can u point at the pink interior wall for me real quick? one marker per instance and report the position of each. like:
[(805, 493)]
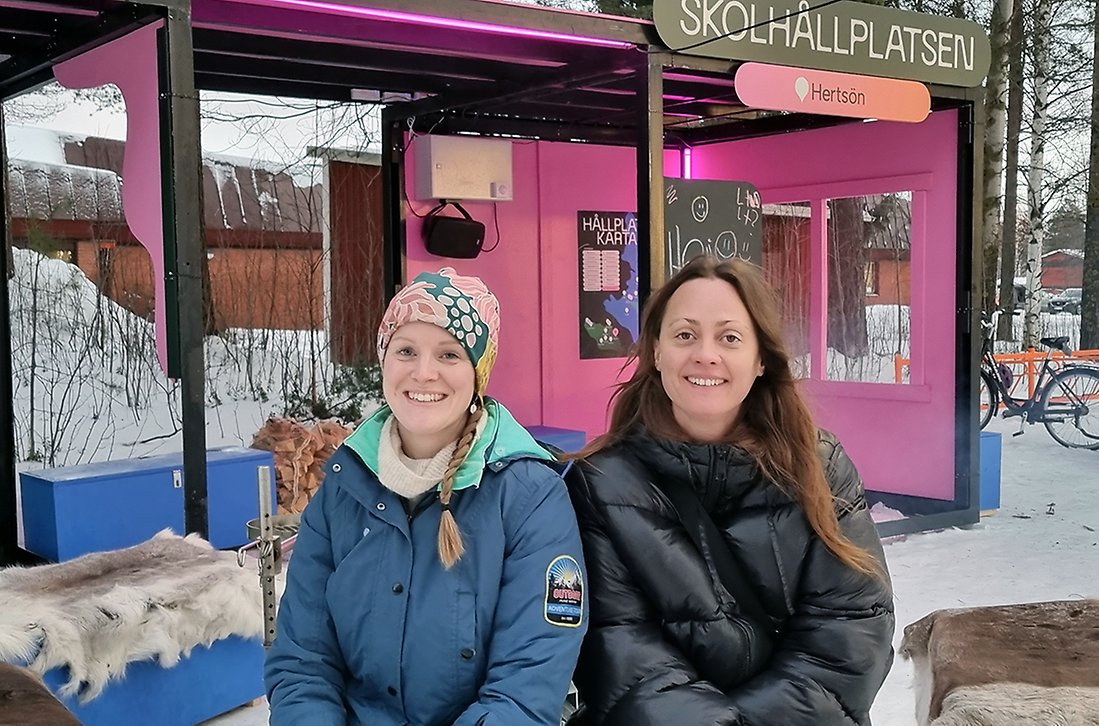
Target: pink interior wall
[(900, 436), (511, 271), (539, 375), (576, 177)]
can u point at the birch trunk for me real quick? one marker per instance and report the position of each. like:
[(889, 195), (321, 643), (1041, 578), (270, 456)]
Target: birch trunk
[(1089, 305), (1035, 196), (1009, 230), (995, 127)]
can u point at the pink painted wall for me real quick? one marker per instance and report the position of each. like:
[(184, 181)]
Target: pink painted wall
[(900, 436), (539, 375), (512, 271)]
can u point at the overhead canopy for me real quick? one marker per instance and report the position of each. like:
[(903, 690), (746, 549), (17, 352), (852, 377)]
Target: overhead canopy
[(490, 67)]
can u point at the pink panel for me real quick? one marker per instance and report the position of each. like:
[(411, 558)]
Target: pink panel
[(576, 177), (533, 272), (511, 271), (131, 64), (901, 437), (576, 392)]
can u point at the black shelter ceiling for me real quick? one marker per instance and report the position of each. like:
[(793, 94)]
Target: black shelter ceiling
[(459, 65)]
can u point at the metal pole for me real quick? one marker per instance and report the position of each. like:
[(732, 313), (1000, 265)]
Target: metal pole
[(185, 252), (268, 558), (392, 210), (9, 517), (650, 176)]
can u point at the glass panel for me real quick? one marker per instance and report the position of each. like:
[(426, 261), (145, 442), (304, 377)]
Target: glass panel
[(869, 290), (786, 265)]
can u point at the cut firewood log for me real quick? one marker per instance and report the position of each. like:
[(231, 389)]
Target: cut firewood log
[(300, 453)]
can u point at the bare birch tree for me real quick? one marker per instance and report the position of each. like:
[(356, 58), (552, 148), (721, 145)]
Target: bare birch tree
[(1035, 196), (1089, 304), (1009, 228), (996, 124)]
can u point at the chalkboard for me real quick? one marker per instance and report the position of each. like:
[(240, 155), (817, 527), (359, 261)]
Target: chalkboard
[(702, 216)]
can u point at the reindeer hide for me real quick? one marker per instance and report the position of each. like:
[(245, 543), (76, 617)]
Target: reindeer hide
[(99, 612), (1020, 704), (1050, 649), (26, 701)]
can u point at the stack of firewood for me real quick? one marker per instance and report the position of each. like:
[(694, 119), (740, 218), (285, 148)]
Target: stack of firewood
[(300, 452)]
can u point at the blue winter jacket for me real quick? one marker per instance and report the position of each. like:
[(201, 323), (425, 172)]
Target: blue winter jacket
[(373, 630)]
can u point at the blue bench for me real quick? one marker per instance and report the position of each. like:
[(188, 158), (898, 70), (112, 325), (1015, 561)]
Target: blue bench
[(73, 510), (568, 440), (208, 683)]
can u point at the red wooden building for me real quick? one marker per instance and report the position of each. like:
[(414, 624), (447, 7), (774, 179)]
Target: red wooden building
[(1061, 269)]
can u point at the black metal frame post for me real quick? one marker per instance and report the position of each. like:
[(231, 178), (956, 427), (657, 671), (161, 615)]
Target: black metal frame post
[(9, 516), (392, 213), (185, 252), (968, 335), (650, 176)]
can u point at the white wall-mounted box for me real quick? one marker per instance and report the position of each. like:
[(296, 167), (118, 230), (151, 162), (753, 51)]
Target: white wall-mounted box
[(463, 168)]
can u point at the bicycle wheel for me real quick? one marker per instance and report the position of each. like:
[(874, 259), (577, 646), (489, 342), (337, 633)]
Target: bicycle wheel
[(1070, 408), (990, 398)]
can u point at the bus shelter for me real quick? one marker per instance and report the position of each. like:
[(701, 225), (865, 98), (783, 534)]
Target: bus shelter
[(835, 145)]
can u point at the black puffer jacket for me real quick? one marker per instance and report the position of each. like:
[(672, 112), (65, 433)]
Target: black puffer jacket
[(662, 649)]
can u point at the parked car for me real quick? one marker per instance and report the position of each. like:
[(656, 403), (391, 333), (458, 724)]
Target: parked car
[(1067, 301)]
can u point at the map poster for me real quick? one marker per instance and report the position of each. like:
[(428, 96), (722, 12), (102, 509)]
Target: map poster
[(607, 259)]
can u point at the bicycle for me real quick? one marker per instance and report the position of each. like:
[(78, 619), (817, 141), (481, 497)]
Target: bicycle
[(1065, 397)]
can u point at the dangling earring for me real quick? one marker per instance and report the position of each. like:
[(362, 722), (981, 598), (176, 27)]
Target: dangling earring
[(472, 408)]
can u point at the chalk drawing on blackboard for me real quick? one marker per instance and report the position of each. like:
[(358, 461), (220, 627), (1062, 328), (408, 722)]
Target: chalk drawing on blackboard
[(714, 217), (725, 246), (748, 206), (670, 194), (700, 208)]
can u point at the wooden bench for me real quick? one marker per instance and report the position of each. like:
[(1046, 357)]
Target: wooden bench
[(1033, 664)]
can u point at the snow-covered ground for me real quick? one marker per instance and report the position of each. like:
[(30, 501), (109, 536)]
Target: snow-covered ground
[(1042, 544)]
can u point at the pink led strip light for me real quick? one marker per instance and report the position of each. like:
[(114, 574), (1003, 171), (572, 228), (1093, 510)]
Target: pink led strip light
[(394, 15)]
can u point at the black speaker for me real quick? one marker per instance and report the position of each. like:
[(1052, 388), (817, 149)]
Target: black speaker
[(459, 237)]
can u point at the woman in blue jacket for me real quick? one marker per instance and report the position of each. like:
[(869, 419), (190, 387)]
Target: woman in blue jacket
[(437, 578)]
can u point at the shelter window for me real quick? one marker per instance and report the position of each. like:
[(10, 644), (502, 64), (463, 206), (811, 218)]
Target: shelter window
[(868, 316)]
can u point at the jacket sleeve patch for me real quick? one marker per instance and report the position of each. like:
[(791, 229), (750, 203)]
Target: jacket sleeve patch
[(564, 603)]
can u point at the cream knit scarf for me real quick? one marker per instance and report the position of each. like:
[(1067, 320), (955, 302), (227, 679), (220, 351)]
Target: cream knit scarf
[(402, 475)]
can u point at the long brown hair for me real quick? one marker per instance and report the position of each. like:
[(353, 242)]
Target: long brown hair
[(775, 424)]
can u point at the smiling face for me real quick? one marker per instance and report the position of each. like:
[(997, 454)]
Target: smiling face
[(708, 357), (427, 380)]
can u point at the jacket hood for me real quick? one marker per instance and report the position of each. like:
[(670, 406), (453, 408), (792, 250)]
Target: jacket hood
[(720, 474), (502, 441)]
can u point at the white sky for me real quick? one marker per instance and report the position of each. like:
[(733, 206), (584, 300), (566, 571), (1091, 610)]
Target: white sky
[(250, 128)]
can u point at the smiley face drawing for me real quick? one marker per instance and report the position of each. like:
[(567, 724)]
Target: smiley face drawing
[(700, 208)]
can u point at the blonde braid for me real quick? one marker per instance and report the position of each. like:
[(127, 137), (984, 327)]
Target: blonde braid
[(450, 539)]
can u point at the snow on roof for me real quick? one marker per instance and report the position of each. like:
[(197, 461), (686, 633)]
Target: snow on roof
[(34, 144), (1070, 253), (63, 191), (67, 176)]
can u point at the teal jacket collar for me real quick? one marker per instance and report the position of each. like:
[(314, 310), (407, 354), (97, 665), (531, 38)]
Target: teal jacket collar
[(503, 440)]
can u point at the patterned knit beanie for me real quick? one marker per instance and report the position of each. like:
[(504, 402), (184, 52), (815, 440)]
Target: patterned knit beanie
[(460, 305)]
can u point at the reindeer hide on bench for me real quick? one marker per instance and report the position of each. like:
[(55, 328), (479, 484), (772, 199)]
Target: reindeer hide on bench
[(1034, 664), (97, 613)]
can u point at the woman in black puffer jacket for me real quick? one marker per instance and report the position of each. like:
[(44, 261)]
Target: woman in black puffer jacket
[(802, 637)]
